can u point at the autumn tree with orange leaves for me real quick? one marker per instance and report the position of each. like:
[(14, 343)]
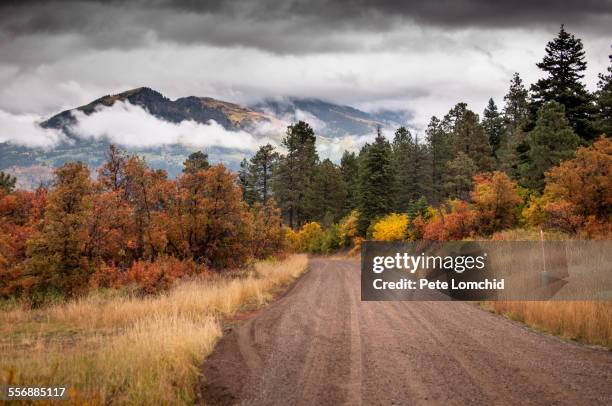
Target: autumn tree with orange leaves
[(454, 221), (496, 199), (578, 192), (214, 217), (58, 259), (21, 214)]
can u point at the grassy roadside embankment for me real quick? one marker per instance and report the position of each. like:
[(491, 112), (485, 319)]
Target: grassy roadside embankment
[(589, 322), (127, 350), (589, 265)]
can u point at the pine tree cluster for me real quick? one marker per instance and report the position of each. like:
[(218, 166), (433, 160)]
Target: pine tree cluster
[(535, 130)]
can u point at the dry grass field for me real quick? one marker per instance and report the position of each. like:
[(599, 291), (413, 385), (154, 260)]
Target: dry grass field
[(129, 350)]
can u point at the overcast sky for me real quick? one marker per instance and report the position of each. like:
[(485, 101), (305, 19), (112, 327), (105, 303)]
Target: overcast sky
[(418, 56)]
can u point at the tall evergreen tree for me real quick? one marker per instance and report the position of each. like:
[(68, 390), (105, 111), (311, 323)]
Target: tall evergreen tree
[(418, 208), (196, 162), (454, 117), (604, 101), (470, 138), (514, 146), (401, 149), (375, 182), (440, 152), (516, 107), (349, 169), (513, 153), (294, 172), (551, 141), (411, 168), (261, 170), (326, 196), (493, 124), (246, 181), (564, 64), (7, 182), (458, 178)]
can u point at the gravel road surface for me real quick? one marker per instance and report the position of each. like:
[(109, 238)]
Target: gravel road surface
[(320, 345)]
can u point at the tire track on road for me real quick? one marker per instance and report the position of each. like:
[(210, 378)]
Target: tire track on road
[(320, 344)]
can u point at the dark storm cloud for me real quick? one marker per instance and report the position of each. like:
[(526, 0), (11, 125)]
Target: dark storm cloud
[(419, 56), (283, 26), (453, 13)]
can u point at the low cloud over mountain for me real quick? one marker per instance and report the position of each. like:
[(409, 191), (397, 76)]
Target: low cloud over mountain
[(165, 131)]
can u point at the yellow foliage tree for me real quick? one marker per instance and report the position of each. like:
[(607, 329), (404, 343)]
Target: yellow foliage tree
[(534, 213), (304, 239), (347, 229), (392, 227)]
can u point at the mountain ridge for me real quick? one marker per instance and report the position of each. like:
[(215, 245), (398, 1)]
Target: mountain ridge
[(199, 109), (267, 119), (339, 119)]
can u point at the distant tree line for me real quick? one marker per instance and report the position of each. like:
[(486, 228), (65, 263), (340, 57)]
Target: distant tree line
[(535, 130)]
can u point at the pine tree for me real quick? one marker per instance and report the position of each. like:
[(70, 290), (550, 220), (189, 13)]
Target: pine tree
[(349, 169), (493, 124), (604, 101), (454, 117), (551, 141), (260, 171), (294, 174), (564, 64), (470, 138), (195, 162), (326, 196), (458, 178), (246, 181), (7, 182), (375, 182), (401, 149), (421, 170), (418, 208), (411, 168), (516, 108), (516, 116), (440, 152)]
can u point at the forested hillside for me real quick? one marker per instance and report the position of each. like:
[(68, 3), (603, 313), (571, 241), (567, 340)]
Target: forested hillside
[(536, 161)]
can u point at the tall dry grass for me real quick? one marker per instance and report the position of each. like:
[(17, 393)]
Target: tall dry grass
[(589, 266), (585, 321), (128, 350)]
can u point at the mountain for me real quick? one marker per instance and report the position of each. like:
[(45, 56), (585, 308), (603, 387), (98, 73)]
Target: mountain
[(199, 109), (336, 120), (265, 119)]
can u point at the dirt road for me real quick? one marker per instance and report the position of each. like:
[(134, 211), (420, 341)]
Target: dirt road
[(320, 345)]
